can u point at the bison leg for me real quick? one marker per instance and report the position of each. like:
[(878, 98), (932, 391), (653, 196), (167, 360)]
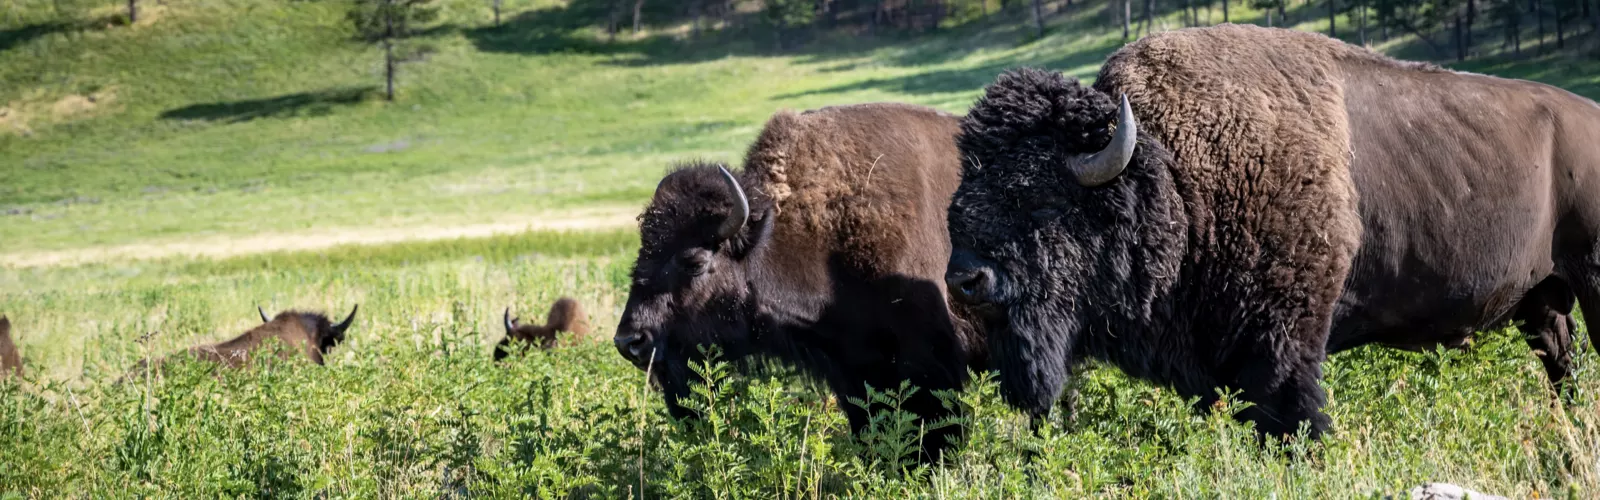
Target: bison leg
[(1547, 324), (1284, 393)]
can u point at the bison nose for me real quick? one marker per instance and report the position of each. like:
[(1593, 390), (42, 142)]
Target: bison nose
[(970, 279), (635, 346)]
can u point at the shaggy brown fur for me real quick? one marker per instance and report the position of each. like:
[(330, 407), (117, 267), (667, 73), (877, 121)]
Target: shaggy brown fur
[(564, 316), (10, 361), (288, 335), (1330, 197), (838, 270)]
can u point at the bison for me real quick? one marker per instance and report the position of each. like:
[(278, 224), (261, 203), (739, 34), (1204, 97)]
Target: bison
[(10, 361), (564, 316), (826, 253), (1268, 197), (287, 335)]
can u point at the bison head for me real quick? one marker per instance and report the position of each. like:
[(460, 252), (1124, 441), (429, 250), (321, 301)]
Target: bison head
[(328, 335), (691, 282), (1051, 228)]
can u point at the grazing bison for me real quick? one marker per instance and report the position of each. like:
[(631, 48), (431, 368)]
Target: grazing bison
[(289, 334), (565, 316), (827, 252), (10, 361), (1267, 197)]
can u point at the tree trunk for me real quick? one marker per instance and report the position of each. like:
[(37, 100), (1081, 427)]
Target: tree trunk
[(1333, 24), (1149, 5), (1282, 15), (1038, 18), (497, 12), (1537, 7), (1127, 12), (1224, 11), (1269, 18), (638, 7), (1561, 34), (388, 50), (133, 11), (1361, 5), (1516, 31), (1461, 38), (1472, 20)]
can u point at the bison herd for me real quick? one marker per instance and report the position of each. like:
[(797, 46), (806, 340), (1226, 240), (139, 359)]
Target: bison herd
[(1222, 209)]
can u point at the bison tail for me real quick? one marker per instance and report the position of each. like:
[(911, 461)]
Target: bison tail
[(567, 316)]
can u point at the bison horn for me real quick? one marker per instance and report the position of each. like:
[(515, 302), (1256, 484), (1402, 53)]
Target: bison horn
[(510, 325), (1099, 168), (263, 315), (347, 319), (741, 208)]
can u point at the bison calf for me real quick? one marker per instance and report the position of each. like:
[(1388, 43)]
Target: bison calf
[(565, 316)]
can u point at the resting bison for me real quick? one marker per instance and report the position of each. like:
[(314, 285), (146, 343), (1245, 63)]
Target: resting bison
[(289, 334), (10, 361), (1285, 196), (565, 316), (827, 252)]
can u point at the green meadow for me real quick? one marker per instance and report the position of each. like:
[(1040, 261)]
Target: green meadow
[(160, 180)]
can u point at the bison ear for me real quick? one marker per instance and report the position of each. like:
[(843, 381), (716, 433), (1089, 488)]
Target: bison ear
[(755, 235)]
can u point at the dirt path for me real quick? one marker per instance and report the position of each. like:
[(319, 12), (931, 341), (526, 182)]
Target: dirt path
[(229, 246)]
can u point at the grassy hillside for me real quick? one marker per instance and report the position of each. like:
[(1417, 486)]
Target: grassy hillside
[(251, 130), (229, 117)]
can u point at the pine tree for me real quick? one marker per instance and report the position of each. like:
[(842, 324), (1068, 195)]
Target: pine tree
[(390, 23)]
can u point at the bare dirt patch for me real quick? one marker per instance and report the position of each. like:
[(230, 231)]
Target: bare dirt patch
[(19, 117), (222, 247)]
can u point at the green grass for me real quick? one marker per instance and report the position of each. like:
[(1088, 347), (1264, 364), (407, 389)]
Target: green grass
[(411, 406), (225, 119)]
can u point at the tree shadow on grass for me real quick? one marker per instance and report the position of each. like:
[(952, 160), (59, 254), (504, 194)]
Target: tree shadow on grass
[(968, 79), (572, 29), (316, 103), (15, 37)]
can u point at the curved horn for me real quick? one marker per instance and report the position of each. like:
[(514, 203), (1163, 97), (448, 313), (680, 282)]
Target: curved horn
[(263, 315), (509, 325), (1099, 168), (347, 319), (741, 208)]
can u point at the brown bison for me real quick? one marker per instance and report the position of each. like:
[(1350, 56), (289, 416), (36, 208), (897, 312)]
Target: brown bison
[(1266, 198), (827, 252), (565, 316), (10, 361), (288, 335)]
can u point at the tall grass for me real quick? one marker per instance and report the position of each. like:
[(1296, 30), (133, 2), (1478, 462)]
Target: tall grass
[(412, 406)]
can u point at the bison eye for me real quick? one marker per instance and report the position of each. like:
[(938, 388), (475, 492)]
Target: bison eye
[(694, 265)]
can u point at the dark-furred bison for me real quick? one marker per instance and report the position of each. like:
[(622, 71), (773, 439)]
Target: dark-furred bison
[(565, 316), (827, 252), (288, 335), (10, 361), (1285, 196)]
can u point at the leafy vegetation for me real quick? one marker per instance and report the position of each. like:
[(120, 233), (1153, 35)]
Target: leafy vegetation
[(411, 405), (225, 120)]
